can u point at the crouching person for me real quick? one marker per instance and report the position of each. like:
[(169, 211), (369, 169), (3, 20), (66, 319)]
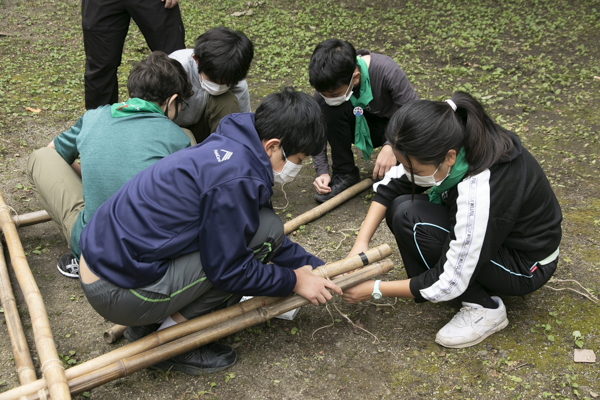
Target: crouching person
[(194, 232)]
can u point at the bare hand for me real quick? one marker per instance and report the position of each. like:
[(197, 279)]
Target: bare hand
[(170, 3), (385, 161), (312, 287), (321, 184), (359, 293)]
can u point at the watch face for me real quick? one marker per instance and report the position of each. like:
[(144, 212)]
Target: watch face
[(377, 296)]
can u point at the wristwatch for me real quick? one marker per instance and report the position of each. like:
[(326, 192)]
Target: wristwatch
[(376, 292)]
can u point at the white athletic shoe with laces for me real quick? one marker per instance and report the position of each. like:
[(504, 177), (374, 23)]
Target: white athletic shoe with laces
[(472, 324)]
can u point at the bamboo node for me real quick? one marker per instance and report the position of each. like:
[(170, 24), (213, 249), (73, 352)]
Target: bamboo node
[(48, 365)]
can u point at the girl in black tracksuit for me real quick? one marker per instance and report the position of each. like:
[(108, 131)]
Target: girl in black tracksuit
[(490, 222)]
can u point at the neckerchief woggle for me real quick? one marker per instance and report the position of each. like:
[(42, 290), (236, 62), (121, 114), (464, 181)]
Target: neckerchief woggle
[(132, 106), (459, 169), (362, 134)]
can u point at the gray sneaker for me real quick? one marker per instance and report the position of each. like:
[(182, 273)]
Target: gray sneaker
[(68, 266)]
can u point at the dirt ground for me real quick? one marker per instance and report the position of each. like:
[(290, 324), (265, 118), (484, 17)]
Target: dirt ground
[(534, 64)]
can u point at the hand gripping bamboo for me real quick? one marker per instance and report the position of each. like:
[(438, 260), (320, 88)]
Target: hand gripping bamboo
[(18, 342), (143, 360), (52, 368), (329, 205), (175, 332)]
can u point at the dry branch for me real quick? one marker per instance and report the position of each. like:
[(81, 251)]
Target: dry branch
[(329, 205), (52, 367), (23, 360)]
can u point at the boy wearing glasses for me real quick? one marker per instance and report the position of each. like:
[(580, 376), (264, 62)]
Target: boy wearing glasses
[(115, 143), (358, 96), (216, 66)]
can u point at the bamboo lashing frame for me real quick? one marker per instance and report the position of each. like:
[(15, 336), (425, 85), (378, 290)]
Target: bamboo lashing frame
[(51, 365), (38, 217), (329, 205), (23, 360), (151, 341), (129, 365)]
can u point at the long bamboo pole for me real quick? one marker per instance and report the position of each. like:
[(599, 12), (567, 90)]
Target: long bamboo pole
[(175, 332), (52, 367), (329, 205), (23, 360), (36, 217), (148, 358), (329, 270)]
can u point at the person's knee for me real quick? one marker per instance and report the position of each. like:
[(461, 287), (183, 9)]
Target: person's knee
[(37, 161), (395, 215), (269, 236)]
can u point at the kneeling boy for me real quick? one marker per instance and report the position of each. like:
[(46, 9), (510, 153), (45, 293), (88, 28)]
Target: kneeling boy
[(358, 96), (195, 231)]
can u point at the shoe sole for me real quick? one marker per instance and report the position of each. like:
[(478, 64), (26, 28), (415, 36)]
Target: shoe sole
[(67, 274), (503, 325), (188, 369)]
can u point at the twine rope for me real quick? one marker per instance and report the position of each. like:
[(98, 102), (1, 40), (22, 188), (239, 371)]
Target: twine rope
[(589, 294), (45, 365), (287, 202), (9, 208)]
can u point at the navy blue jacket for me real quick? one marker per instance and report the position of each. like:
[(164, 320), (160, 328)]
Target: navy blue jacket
[(204, 198)]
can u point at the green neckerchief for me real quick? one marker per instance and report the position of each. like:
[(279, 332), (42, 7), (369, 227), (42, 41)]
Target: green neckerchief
[(132, 106), (362, 134), (459, 169)]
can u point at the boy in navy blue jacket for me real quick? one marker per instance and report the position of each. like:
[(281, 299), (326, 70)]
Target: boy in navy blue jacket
[(194, 232)]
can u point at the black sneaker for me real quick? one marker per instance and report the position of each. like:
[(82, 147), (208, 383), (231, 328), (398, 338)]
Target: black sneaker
[(133, 333), (338, 184), (207, 359), (68, 265)]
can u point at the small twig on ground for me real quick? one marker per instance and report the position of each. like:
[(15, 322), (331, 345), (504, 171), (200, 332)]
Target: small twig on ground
[(589, 294)]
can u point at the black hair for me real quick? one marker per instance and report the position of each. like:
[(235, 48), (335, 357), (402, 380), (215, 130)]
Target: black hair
[(157, 78), (427, 130), (293, 117), (223, 55), (331, 65)]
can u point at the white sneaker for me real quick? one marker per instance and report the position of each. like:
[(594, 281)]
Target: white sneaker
[(472, 324)]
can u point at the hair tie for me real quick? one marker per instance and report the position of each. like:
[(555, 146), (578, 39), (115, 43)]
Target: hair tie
[(452, 104)]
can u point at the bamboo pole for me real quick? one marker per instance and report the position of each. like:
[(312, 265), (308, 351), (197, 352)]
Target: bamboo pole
[(203, 322), (113, 333), (148, 358), (51, 367), (36, 217), (329, 205), (333, 269), (23, 360)]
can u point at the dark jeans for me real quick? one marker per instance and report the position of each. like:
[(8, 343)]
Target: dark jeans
[(184, 288), (340, 135), (422, 229), (105, 24)]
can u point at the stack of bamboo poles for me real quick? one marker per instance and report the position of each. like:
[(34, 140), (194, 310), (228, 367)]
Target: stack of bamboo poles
[(158, 346), (52, 367)]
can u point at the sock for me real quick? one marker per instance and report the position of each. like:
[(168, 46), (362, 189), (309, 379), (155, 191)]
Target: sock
[(167, 323)]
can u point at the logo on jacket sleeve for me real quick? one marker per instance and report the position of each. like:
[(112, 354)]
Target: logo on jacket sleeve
[(225, 156)]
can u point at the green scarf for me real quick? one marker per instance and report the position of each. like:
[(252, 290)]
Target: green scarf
[(132, 106), (459, 169), (362, 134)]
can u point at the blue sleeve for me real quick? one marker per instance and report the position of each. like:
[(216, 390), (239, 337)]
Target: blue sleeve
[(66, 143), (230, 218), (292, 255)]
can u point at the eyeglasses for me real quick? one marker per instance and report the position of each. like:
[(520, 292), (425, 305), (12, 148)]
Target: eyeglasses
[(184, 105)]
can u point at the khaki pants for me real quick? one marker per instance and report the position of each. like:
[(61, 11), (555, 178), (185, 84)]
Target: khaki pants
[(57, 186), (216, 108)]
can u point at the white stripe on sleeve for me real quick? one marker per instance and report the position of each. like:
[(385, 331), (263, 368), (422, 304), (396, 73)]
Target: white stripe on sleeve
[(473, 208), (394, 173)]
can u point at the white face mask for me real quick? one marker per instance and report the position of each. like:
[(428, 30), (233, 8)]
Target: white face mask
[(429, 180), (289, 171), (336, 101), (213, 88)]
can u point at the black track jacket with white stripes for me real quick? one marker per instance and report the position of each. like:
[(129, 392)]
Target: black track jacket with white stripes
[(510, 204)]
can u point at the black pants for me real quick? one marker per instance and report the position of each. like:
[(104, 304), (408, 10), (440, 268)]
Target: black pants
[(105, 24), (422, 229), (340, 135)]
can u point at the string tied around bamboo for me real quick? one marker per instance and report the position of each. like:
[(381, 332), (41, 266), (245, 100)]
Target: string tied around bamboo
[(10, 210), (48, 364)]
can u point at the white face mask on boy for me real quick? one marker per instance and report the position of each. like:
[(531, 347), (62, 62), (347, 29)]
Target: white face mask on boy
[(429, 180), (213, 88), (336, 101), (289, 171)]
